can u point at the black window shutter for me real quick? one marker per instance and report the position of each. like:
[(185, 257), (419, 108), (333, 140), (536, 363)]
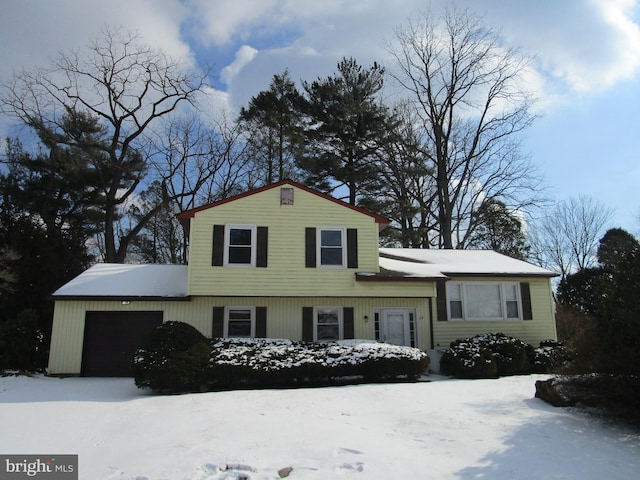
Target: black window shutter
[(441, 300), (525, 293), (261, 322), (310, 247), (307, 324), (348, 326), (262, 246), (218, 246), (352, 248), (218, 322)]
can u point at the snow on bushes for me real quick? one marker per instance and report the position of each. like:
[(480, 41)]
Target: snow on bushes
[(265, 362), (179, 362), (550, 357), (496, 354)]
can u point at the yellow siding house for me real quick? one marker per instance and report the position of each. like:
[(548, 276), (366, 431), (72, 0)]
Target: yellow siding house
[(285, 261)]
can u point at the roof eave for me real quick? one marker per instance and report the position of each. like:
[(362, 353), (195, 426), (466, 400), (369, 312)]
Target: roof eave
[(184, 216), (501, 274), (395, 277), (122, 298)]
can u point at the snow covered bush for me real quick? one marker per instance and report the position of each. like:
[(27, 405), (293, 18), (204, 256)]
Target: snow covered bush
[(178, 358), (550, 357), (485, 356), (468, 360), (271, 362), (174, 359)]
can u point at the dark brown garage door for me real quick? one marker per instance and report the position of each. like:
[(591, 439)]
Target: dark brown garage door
[(111, 339)]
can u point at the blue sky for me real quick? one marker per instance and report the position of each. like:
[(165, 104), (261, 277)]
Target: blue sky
[(587, 67)]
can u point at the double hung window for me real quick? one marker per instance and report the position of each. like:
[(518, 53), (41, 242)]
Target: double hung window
[(239, 322), (327, 324), (240, 243), (331, 247)]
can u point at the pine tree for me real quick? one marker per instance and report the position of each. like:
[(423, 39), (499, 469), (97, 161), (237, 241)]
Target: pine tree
[(348, 125), (273, 122)]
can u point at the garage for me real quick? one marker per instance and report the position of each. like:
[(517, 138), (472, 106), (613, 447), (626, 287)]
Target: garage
[(111, 339)]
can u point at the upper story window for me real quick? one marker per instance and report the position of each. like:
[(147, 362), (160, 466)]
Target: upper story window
[(331, 248), (240, 245), (484, 301)]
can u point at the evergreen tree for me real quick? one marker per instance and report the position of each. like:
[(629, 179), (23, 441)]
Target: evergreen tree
[(347, 127), (614, 245), (608, 294), (618, 316), (583, 290), (47, 215), (273, 122), (496, 228)]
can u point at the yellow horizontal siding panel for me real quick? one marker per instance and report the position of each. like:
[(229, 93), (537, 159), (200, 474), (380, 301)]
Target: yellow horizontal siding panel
[(541, 327), (284, 319), (286, 274), (65, 356)]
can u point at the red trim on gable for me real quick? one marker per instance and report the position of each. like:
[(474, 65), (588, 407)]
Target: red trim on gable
[(190, 213)]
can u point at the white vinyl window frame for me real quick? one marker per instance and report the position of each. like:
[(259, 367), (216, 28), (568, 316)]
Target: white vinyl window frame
[(228, 245), (239, 314), (339, 323), (328, 246), (465, 300)]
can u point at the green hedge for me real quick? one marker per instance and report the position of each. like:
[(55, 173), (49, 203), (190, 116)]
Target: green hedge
[(493, 355), (265, 362), (485, 356), (174, 358), (178, 360)]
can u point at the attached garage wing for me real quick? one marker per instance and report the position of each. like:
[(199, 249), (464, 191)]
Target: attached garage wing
[(111, 338)]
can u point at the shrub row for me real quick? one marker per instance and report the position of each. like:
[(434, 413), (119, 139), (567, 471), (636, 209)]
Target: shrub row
[(492, 355), (178, 358)]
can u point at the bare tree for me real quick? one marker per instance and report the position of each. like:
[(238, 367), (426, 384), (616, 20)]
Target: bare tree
[(567, 238), (125, 85), (235, 172), (468, 91), (405, 194)]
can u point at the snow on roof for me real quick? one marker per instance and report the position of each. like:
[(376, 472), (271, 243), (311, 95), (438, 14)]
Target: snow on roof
[(170, 281), (124, 280), (440, 263)]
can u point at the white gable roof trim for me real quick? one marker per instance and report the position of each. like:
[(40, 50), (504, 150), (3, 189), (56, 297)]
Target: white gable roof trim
[(126, 281)]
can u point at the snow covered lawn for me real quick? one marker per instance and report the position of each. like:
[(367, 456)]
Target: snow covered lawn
[(444, 429)]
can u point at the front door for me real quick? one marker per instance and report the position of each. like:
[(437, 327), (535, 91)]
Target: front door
[(395, 327)]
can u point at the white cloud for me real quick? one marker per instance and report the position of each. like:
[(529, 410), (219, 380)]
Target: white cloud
[(224, 21), (34, 31), (580, 45), (244, 55)]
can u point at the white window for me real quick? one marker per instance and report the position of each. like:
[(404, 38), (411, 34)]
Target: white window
[(484, 301), (331, 247), (327, 324), (240, 245), (240, 322)]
